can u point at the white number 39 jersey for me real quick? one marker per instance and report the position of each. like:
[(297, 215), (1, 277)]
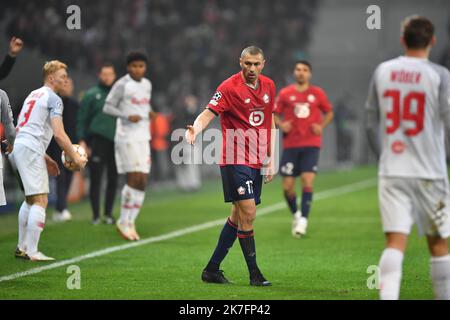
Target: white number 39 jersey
[(412, 99)]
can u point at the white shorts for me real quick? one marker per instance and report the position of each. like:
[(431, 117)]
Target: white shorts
[(32, 170), (405, 201), (132, 156), (2, 189)]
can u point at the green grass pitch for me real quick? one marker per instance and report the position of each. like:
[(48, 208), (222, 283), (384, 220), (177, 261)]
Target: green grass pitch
[(344, 239)]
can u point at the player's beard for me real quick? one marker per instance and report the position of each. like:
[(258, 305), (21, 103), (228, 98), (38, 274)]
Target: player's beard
[(301, 81)]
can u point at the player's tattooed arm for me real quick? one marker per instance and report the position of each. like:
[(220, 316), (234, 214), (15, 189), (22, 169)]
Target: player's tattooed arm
[(202, 121)]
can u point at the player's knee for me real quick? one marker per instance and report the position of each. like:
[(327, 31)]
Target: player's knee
[(438, 247), (289, 187), (38, 200), (307, 181), (247, 221), (247, 216)]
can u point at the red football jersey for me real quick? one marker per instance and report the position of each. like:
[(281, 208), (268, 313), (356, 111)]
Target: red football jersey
[(303, 109), (245, 118)]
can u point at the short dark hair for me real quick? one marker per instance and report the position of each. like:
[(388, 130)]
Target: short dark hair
[(417, 32), (253, 51), (136, 56), (105, 65), (305, 62)]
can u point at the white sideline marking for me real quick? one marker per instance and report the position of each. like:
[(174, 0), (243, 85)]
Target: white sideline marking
[(178, 233)]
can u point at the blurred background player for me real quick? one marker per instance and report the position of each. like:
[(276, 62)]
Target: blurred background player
[(64, 179), (6, 118), (39, 120), (410, 97), (15, 46), (96, 130), (245, 103), (302, 112), (129, 102)]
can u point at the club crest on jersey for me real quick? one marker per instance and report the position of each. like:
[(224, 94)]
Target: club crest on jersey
[(247, 100), (311, 98), (241, 191), (292, 98), (266, 98), (302, 110), (398, 147)]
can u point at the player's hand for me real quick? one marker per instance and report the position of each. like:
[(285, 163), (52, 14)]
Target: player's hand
[(6, 147), (52, 167), (286, 126), (80, 162), (134, 118), (15, 46), (268, 177), (190, 135), (84, 145), (316, 129)]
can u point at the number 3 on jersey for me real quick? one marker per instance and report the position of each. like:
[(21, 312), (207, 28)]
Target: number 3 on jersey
[(27, 113), (402, 111)]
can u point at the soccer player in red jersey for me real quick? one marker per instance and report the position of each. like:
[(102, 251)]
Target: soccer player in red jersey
[(302, 112), (245, 103)]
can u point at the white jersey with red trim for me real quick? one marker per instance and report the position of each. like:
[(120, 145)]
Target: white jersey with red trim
[(34, 129), (130, 97), (412, 99)]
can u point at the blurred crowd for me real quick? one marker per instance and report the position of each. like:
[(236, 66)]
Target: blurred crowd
[(190, 43)]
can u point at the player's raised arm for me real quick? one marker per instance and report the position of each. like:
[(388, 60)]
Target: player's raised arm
[(372, 119), (7, 119), (202, 121)]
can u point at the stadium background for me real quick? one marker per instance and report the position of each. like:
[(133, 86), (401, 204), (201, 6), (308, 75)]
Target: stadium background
[(194, 45)]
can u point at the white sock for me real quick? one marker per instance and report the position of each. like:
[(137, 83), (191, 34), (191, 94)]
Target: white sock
[(440, 276), (126, 204), (138, 200), (390, 274), (36, 222), (24, 212)]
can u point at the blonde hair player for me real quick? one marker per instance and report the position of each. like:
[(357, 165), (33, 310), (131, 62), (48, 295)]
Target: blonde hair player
[(40, 119)]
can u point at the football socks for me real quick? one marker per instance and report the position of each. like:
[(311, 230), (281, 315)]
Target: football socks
[(390, 274), (247, 242), (291, 201), (24, 212), (226, 240), (440, 276), (307, 196), (36, 222)]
